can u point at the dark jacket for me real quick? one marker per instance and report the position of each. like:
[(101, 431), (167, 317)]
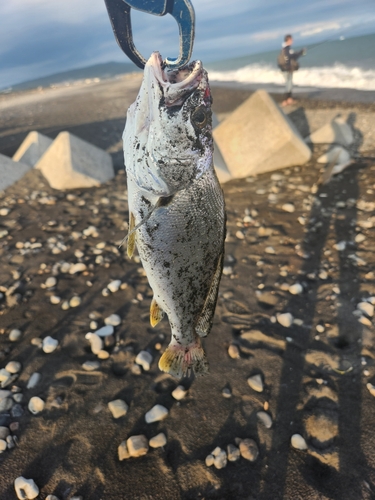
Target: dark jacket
[(287, 60)]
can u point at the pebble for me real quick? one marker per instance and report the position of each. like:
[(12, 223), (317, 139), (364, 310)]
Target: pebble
[(137, 445), (298, 442), (256, 383), (90, 366), (371, 388), (265, 418), (118, 408), (4, 376), (105, 331), (36, 405), (227, 270), (54, 299), (38, 342), (295, 289), (288, 207), (179, 393), (144, 358), (4, 432), (249, 450), (359, 238), (93, 325), (158, 412), (6, 401), (3, 445), (13, 367), (136, 369), (50, 282), (366, 308), (33, 380), (52, 497), (102, 354), (226, 392), (158, 441), (77, 268), (220, 460), (210, 459), (114, 286), (285, 319), (123, 452), (267, 298), (65, 305), (240, 235), (233, 351), (270, 250), (340, 246), (233, 453), (25, 488), (75, 301), (49, 344), (113, 320), (320, 328), (14, 335), (95, 342)]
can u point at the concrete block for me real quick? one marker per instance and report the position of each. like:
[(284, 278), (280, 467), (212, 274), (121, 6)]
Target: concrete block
[(11, 171), (73, 163), (32, 148), (257, 137), (221, 168), (335, 132)]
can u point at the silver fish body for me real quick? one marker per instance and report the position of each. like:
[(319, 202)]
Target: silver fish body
[(177, 202)]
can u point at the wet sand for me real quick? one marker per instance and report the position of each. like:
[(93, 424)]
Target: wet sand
[(314, 372)]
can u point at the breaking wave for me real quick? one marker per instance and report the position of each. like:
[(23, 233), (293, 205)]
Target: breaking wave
[(336, 76)]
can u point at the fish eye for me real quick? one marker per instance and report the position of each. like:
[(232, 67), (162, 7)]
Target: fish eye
[(199, 117)]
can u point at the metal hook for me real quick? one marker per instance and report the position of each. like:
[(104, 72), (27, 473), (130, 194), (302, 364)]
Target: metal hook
[(181, 10)]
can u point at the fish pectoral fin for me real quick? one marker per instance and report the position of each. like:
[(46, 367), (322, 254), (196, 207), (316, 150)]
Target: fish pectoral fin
[(156, 313), (205, 320), (131, 236)]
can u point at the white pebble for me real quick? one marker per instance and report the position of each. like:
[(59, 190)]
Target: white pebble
[(13, 367), (227, 270), (270, 250), (340, 246), (220, 460), (240, 235), (14, 335), (36, 405), (371, 388), (52, 497), (75, 301), (93, 325), (123, 452), (95, 342), (137, 445), (158, 441), (105, 331), (49, 344), (179, 393), (285, 319), (249, 449), (3, 445), (54, 299), (158, 412), (25, 488), (33, 380), (114, 285), (102, 354), (233, 351), (233, 453), (113, 320), (320, 328), (295, 289), (265, 418), (4, 376), (65, 305), (288, 207), (77, 268), (144, 358), (226, 393), (298, 442), (118, 408), (359, 238), (366, 308), (90, 366), (210, 459), (50, 282), (256, 383)]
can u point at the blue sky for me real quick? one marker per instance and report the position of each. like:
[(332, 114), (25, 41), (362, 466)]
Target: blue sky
[(41, 37)]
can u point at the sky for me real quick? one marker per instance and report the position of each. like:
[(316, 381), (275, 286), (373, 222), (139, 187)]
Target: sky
[(42, 37)]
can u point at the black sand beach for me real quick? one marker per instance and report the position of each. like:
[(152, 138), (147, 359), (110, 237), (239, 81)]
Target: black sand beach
[(315, 372)]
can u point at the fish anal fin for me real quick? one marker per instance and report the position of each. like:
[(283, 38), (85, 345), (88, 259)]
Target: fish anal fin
[(156, 313), (179, 360), (131, 237), (205, 320)]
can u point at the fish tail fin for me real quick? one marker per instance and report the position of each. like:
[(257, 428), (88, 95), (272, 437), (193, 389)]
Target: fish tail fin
[(131, 236), (156, 313), (179, 360)]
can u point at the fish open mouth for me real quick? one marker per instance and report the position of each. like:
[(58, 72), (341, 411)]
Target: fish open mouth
[(175, 83)]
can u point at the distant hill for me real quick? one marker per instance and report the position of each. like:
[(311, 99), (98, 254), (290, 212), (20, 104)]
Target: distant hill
[(102, 71)]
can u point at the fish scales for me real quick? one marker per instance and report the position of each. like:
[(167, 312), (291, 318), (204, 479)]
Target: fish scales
[(177, 207)]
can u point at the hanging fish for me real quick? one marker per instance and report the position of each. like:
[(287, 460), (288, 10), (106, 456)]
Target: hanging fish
[(176, 206)]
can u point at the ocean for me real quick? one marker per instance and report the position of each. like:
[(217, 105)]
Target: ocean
[(341, 64)]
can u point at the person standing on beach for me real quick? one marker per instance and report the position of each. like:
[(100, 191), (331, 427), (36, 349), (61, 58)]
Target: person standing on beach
[(288, 63)]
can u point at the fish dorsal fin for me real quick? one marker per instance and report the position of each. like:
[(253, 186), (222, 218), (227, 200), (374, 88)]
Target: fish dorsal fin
[(156, 313), (131, 236), (205, 320)]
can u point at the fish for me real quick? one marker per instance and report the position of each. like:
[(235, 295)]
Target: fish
[(177, 217)]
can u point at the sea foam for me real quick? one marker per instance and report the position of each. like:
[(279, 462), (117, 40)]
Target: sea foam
[(335, 76)]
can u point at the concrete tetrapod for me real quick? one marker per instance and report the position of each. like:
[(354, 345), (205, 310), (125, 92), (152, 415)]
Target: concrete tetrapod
[(72, 163), (11, 171), (257, 137), (32, 148)]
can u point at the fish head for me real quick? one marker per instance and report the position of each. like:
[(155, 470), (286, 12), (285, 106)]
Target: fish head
[(168, 134)]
